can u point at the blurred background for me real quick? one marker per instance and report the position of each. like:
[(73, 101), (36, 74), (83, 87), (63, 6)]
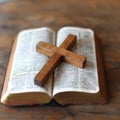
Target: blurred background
[(103, 16)]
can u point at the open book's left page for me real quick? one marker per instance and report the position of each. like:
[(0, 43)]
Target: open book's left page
[(27, 62)]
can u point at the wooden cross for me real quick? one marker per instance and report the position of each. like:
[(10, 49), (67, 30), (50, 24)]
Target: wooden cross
[(57, 54)]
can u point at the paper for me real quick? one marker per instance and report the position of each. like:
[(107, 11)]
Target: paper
[(27, 62), (70, 78)]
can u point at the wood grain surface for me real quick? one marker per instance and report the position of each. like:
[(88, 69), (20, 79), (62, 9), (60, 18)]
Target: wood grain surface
[(102, 16)]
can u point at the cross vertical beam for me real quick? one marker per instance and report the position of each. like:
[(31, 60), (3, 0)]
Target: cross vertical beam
[(57, 54)]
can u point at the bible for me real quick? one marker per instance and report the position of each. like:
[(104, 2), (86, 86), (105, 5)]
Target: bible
[(68, 84)]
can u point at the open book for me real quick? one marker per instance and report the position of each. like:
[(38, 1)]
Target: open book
[(68, 84)]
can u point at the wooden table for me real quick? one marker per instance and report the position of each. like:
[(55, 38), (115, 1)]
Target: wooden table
[(102, 16)]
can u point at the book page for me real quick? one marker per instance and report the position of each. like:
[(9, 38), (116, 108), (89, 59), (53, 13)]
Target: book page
[(71, 78), (27, 62)]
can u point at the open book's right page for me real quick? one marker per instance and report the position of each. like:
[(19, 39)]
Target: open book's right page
[(71, 78)]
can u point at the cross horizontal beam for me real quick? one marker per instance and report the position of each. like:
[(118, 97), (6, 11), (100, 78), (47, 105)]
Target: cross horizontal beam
[(68, 56)]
